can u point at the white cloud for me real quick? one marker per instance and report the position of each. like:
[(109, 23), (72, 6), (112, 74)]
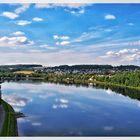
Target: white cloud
[(109, 91), (73, 8), (61, 103), (10, 15), (63, 106), (64, 101), (37, 19), (17, 39), (61, 37), (22, 8), (70, 5), (64, 37), (110, 17), (23, 22), (15, 14), (63, 43), (124, 55), (18, 33), (56, 37), (17, 102), (75, 11)]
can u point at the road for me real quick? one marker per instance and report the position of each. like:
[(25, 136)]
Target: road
[(2, 114)]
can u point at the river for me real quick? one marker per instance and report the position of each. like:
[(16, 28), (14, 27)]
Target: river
[(62, 110)]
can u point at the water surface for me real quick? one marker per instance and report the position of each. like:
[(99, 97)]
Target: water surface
[(59, 110)]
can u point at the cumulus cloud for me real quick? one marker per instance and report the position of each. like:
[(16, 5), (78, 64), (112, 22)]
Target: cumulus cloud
[(63, 43), (22, 8), (37, 19), (17, 39), (124, 55), (110, 17), (61, 37), (15, 14), (23, 22), (18, 33), (10, 15)]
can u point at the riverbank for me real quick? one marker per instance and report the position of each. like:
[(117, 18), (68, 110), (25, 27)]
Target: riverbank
[(2, 116), (68, 80), (10, 123)]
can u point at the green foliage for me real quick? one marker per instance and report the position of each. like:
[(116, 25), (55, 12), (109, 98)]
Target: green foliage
[(10, 123), (123, 78)]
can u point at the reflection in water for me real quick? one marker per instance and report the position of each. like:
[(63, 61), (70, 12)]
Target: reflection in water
[(132, 93), (60, 110)]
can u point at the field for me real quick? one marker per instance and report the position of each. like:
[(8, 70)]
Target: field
[(24, 72)]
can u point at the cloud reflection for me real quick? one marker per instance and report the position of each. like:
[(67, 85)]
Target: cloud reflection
[(108, 128), (16, 101), (60, 103)]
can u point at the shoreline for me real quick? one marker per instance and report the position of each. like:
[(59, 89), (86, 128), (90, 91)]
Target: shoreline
[(10, 122), (74, 82)]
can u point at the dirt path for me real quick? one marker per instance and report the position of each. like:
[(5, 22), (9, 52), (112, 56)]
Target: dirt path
[(2, 114)]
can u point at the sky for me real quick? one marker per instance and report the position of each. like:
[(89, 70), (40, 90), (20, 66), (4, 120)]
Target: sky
[(59, 34)]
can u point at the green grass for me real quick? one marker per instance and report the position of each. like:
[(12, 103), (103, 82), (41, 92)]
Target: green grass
[(10, 123)]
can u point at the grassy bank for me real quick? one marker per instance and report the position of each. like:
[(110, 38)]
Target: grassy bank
[(10, 122)]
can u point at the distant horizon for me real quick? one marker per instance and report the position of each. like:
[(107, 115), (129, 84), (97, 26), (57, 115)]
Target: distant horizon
[(65, 64), (71, 34)]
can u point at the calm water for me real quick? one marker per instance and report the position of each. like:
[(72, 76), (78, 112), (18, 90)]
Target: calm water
[(58, 110)]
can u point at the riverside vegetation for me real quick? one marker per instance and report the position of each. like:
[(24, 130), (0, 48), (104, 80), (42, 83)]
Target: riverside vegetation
[(126, 78), (10, 122)]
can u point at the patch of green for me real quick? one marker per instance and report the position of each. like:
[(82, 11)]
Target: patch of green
[(10, 123)]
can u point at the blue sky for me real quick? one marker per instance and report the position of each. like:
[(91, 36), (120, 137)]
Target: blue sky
[(56, 34)]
